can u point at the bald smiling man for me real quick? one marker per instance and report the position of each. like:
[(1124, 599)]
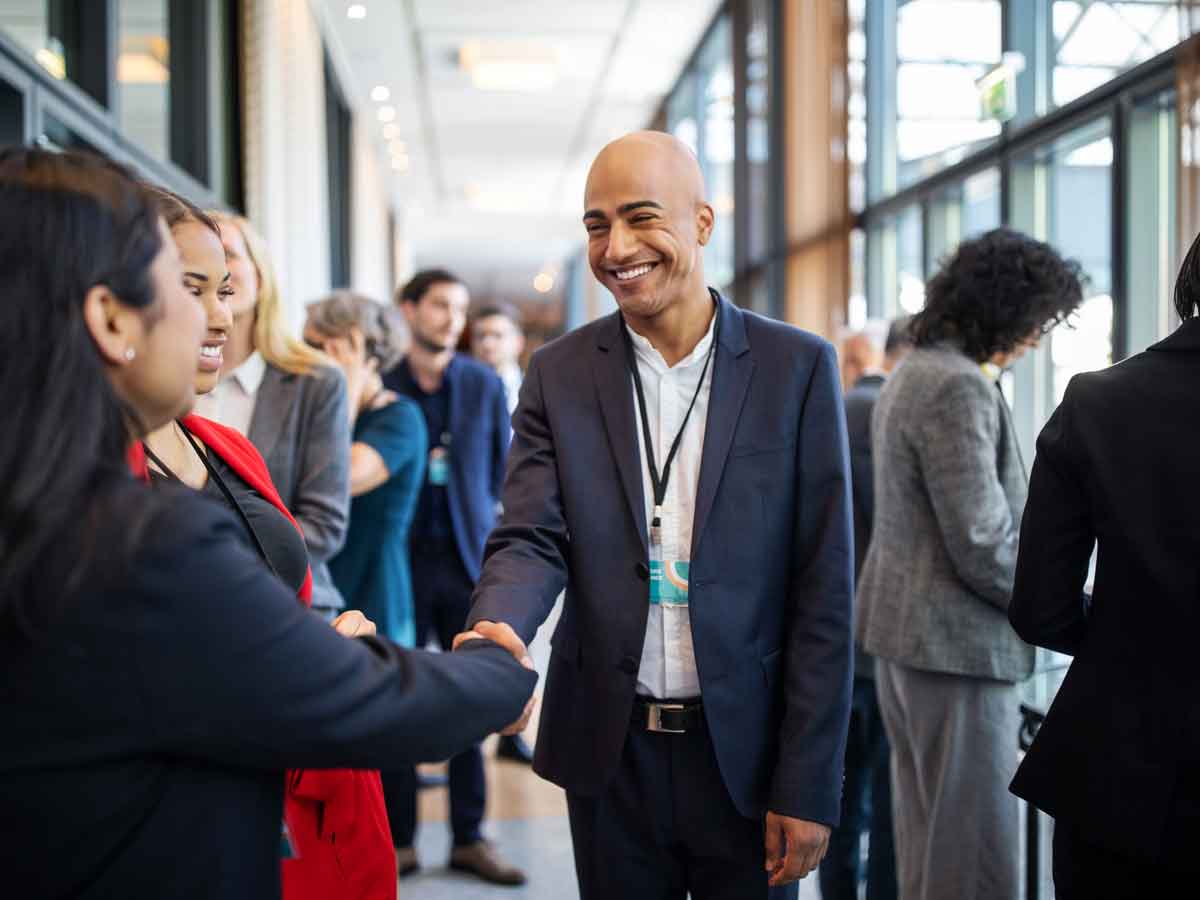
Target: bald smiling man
[(680, 468)]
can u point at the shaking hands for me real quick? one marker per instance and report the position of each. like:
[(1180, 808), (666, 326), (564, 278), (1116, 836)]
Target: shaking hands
[(502, 634)]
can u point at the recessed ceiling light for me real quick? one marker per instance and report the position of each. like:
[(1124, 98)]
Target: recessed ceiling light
[(391, 131), (356, 11), (380, 93), (398, 148), (386, 113), (400, 163), (543, 283)]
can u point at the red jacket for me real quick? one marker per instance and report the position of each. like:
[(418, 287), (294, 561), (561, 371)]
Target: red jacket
[(336, 817)]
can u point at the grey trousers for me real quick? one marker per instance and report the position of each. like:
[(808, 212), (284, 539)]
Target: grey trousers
[(954, 751)]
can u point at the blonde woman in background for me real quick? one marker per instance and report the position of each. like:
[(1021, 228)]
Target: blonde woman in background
[(289, 400)]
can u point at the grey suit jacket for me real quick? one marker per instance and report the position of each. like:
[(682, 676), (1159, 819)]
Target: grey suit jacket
[(301, 426), (949, 492)]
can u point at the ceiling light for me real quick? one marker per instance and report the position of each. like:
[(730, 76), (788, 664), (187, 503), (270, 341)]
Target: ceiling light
[(516, 66), (380, 93), (386, 113), (543, 283), (356, 11), (400, 163), (391, 131), (398, 148)]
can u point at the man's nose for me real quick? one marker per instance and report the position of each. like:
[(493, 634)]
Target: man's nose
[(621, 243)]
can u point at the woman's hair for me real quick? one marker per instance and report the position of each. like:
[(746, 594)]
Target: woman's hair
[(68, 223), (1187, 285), (996, 291), (271, 335), (384, 332), (177, 210)]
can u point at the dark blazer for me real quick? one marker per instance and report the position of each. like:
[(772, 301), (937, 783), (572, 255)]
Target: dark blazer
[(147, 731), (301, 426), (771, 571), (860, 405), (479, 432), (1119, 754)]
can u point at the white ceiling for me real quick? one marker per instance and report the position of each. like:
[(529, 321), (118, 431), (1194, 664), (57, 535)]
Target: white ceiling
[(494, 189)]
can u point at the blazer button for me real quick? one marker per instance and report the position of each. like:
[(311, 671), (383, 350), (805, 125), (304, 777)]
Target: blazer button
[(629, 665), (643, 571)]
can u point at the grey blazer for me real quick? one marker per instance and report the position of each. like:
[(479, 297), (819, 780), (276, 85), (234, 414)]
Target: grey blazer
[(949, 492), (301, 426)]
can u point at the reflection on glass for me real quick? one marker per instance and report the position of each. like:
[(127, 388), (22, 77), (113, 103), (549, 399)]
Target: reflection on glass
[(758, 131), (896, 274), (942, 48), (144, 74), (856, 103), (29, 23), (1095, 40)]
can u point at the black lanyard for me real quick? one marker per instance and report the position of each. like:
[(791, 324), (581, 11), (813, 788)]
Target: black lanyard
[(659, 482), (215, 476)]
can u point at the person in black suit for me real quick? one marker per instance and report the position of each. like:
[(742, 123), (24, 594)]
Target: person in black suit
[(680, 468), (156, 679), (1117, 761), (867, 798)]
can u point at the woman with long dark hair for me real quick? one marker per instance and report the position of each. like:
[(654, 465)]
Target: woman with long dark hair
[(935, 585), (156, 678)]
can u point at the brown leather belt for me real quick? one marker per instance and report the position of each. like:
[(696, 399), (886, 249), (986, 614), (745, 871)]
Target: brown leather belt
[(668, 716)]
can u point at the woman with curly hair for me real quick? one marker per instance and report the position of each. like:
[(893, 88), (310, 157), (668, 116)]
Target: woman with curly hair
[(934, 591)]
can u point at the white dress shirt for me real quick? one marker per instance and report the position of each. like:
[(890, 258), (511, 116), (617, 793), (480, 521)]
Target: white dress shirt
[(668, 667), (231, 402)]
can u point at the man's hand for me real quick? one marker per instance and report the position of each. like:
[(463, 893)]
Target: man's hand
[(794, 847), (353, 623), (502, 634)]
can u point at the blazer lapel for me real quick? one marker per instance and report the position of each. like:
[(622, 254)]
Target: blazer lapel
[(610, 366), (270, 409), (733, 366)]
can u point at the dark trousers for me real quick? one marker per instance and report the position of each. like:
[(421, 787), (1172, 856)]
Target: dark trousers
[(866, 807), (666, 827), (441, 602), (1085, 871)]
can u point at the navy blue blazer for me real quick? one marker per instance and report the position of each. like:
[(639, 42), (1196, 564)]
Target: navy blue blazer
[(479, 433), (772, 560)]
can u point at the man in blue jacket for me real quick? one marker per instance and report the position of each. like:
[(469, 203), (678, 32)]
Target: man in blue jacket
[(467, 422), (680, 467)]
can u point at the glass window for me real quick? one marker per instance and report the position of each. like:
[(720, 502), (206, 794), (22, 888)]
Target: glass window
[(681, 113), (144, 74), (942, 48), (29, 23), (896, 272), (715, 69), (65, 38), (761, 198), (960, 211), (856, 103), (1095, 40), (1151, 232)]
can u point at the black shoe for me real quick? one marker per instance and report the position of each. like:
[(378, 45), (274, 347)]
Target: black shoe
[(513, 747), (406, 861)]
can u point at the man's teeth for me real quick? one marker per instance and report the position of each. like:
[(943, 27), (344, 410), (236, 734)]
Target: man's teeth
[(626, 274), (211, 352)]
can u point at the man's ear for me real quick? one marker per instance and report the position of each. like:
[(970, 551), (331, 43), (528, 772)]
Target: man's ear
[(705, 219), (117, 329)]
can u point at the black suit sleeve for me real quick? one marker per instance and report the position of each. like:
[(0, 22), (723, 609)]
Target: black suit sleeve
[(234, 670), (818, 667), (1048, 605)]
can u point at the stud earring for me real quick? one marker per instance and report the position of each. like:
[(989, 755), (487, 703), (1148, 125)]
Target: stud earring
[(130, 353)]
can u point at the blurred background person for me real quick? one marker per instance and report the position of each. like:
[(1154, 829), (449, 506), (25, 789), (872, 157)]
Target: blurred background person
[(150, 664), (387, 460), (935, 586), (289, 400), (867, 793), (497, 341), (467, 425), (1115, 760)]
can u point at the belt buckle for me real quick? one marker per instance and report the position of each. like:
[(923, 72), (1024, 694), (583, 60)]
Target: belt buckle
[(654, 713)]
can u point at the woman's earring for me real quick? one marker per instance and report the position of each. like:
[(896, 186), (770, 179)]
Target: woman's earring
[(130, 353)]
